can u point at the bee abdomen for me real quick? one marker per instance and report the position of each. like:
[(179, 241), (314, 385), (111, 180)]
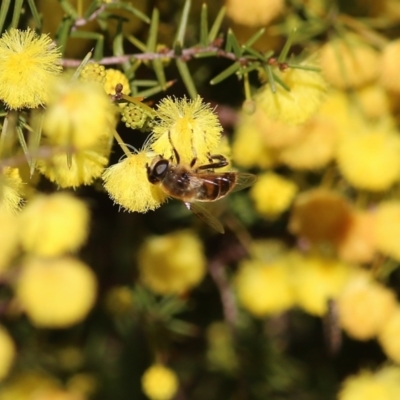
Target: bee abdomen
[(220, 187)]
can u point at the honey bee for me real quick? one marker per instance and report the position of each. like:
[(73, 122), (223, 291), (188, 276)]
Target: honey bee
[(193, 185)]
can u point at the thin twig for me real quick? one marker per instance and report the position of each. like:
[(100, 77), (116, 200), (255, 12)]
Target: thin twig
[(83, 21)]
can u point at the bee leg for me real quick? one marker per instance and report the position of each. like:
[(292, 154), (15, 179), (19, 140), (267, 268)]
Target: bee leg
[(193, 162), (218, 161), (176, 154)]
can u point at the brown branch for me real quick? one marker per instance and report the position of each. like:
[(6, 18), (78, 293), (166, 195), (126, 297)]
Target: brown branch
[(83, 21)]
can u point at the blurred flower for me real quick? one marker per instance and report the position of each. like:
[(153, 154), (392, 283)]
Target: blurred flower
[(172, 263), (56, 293), (127, 184), (7, 353), (28, 63), (55, 224), (93, 72), (316, 280), (387, 228), (261, 12), (374, 100), (264, 288), (119, 300), (272, 194), (83, 383), (370, 160), (9, 238), (388, 72), (221, 354), (348, 62), (11, 188), (389, 334), (321, 216), (297, 105), (113, 78), (364, 306), (383, 385), (159, 383), (192, 126), (79, 114)]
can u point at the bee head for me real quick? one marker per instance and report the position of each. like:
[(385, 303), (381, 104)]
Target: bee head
[(157, 170)]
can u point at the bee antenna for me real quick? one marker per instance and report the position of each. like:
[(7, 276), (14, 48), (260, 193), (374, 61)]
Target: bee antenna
[(176, 154)]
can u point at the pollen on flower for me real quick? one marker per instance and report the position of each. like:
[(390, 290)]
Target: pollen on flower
[(257, 15), (56, 293), (272, 194), (113, 78), (11, 188), (307, 91), (79, 114), (172, 263), (28, 64), (369, 160), (264, 288), (191, 126), (127, 184), (159, 383), (55, 224), (7, 353)]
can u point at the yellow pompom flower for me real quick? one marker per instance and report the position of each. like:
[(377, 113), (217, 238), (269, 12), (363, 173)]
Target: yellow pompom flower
[(86, 166), (314, 149), (159, 383), (191, 126), (11, 189), (113, 78), (93, 72), (79, 114), (264, 288), (260, 13), (373, 100), (387, 228), (316, 280), (28, 64), (389, 76), (348, 63), (370, 160), (127, 184), (383, 385), (9, 238), (7, 353), (272, 194), (52, 225), (119, 300), (389, 334), (307, 91), (364, 306), (172, 263), (56, 293)]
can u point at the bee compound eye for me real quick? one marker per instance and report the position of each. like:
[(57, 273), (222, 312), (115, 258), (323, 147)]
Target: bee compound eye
[(161, 168)]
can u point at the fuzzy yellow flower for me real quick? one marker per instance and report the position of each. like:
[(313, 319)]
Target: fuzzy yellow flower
[(272, 194), (127, 184), (9, 238), (383, 385), (388, 71), (119, 300), (374, 101), (11, 189), (387, 228), (264, 288), (86, 166), (307, 91), (7, 352), (79, 114), (191, 126), (364, 306), (172, 263), (316, 280), (55, 224), (159, 383), (259, 14), (370, 160), (56, 293), (28, 64), (349, 63), (113, 78), (389, 336), (93, 72)]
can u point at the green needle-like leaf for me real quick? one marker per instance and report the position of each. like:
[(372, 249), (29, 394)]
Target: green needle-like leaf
[(255, 37), (204, 25), (225, 73), (285, 51), (152, 39), (235, 46), (159, 71), (4, 7), (187, 78), (35, 14), (93, 6), (69, 9), (130, 9), (280, 81), (180, 35), (24, 146), (63, 32), (154, 90), (271, 79), (78, 71), (216, 25), (137, 43), (16, 13), (34, 139)]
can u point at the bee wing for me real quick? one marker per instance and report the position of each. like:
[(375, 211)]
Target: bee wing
[(244, 180), (205, 215)]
